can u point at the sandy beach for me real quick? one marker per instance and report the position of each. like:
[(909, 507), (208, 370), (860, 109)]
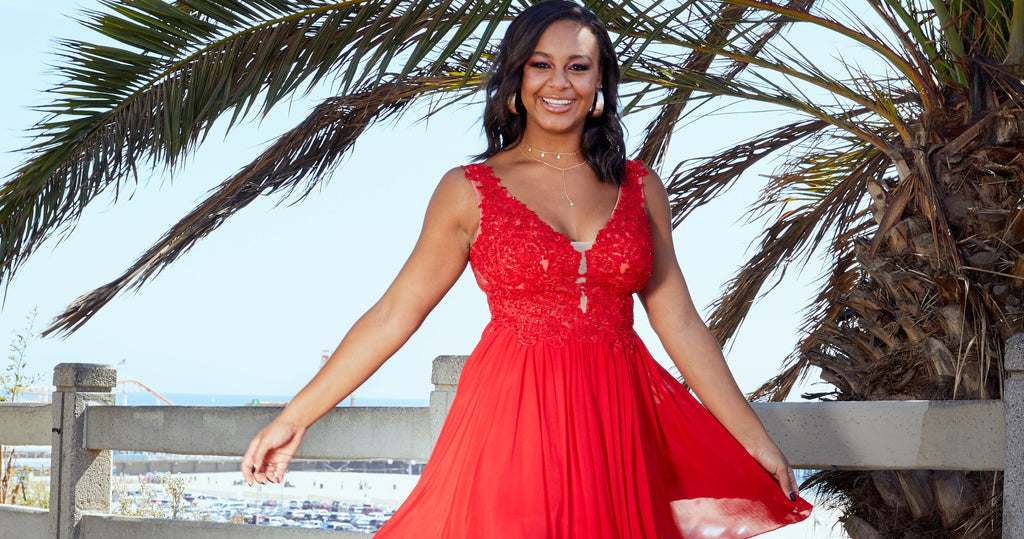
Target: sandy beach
[(391, 489)]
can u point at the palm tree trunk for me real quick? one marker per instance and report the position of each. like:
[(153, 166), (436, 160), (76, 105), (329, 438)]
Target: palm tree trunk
[(933, 298)]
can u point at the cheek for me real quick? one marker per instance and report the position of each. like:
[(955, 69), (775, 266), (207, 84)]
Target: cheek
[(588, 83), (531, 81)]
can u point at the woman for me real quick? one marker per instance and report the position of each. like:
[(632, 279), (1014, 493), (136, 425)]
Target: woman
[(563, 425)]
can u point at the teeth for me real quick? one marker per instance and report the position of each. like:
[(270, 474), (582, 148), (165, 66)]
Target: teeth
[(557, 102)]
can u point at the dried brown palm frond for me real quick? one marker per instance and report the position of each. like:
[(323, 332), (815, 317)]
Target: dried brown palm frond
[(840, 280), (828, 209), (902, 497), (692, 185), (915, 326), (925, 274)]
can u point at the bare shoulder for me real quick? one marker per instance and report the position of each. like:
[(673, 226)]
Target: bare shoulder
[(454, 202), (649, 173), (654, 192), (455, 175), (455, 189)]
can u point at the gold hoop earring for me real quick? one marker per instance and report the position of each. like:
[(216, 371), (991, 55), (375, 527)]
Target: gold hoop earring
[(598, 108), (512, 103)]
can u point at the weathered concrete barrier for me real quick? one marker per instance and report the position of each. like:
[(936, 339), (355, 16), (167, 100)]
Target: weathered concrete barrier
[(85, 426)]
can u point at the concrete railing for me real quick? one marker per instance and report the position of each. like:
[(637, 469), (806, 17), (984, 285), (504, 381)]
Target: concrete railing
[(82, 425)]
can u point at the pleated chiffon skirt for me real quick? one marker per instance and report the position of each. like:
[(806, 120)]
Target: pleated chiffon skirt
[(587, 440)]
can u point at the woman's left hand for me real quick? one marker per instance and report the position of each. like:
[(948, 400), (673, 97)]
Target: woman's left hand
[(774, 462)]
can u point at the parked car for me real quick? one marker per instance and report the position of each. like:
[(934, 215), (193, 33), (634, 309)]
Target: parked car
[(340, 526)]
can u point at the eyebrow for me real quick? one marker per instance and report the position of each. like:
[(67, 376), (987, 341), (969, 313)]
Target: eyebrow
[(573, 57)]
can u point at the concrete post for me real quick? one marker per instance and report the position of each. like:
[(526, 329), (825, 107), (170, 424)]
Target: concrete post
[(445, 377), (1013, 404), (79, 477)]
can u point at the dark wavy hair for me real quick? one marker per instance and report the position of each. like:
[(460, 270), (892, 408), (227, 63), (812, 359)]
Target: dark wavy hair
[(602, 144)]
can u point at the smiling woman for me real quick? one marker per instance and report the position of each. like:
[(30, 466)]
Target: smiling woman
[(563, 426), (559, 87), (585, 78)]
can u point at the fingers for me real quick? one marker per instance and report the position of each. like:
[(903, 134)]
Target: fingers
[(253, 465), (269, 453), (787, 481), (268, 472), (249, 461), (786, 478), (274, 471), (775, 463)]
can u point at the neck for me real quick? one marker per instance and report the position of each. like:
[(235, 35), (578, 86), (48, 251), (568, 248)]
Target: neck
[(551, 143)]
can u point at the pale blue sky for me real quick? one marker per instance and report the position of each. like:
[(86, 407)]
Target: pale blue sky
[(252, 307)]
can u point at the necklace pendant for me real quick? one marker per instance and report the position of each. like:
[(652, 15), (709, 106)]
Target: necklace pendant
[(542, 154), (559, 156)]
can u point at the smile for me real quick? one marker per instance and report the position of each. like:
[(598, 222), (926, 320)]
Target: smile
[(556, 102)]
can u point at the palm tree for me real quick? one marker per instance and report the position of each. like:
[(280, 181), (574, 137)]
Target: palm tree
[(912, 183), (906, 177)]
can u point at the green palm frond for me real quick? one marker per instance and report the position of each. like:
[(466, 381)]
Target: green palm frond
[(864, 36), (296, 162), (150, 98), (659, 131), (1014, 57), (167, 71), (768, 91), (179, 67), (912, 27)]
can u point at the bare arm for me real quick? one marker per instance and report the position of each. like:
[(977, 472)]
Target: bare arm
[(437, 261), (692, 347)]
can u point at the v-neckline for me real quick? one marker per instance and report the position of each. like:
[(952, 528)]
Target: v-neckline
[(569, 241)]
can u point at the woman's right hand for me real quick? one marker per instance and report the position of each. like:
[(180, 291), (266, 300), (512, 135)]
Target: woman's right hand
[(269, 453), (437, 261)]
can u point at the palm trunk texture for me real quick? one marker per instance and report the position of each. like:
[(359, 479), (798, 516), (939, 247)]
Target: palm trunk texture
[(928, 305)]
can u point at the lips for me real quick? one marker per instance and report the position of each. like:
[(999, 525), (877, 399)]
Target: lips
[(556, 102)]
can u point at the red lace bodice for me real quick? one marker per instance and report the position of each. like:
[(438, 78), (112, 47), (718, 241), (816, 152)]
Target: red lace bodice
[(539, 286)]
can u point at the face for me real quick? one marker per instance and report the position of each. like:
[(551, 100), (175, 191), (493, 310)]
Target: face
[(560, 79)]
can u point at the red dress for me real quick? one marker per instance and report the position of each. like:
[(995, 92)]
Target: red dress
[(563, 425)]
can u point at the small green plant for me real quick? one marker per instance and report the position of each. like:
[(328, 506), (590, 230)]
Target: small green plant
[(14, 379), (35, 490), (144, 503), (19, 485), (141, 505), (174, 485), (17, 481)]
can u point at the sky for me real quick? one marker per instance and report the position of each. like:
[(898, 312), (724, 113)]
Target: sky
[(251, 309)]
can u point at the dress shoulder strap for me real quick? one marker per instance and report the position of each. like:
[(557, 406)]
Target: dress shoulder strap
[(634, 180), (635, 172), (484, 182)]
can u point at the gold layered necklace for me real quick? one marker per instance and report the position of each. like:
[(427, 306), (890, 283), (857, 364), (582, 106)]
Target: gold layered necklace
[(558, 155), (544, 153)]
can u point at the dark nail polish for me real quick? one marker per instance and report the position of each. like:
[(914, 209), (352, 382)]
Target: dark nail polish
[(792, 496)]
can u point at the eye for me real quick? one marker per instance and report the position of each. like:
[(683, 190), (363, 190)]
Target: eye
[(540, 65), (579, 67)]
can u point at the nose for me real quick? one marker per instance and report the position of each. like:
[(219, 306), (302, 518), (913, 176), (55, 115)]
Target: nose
[(559, 79)]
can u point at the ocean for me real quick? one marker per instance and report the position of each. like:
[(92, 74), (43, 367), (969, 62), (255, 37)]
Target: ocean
[(137, 398)]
